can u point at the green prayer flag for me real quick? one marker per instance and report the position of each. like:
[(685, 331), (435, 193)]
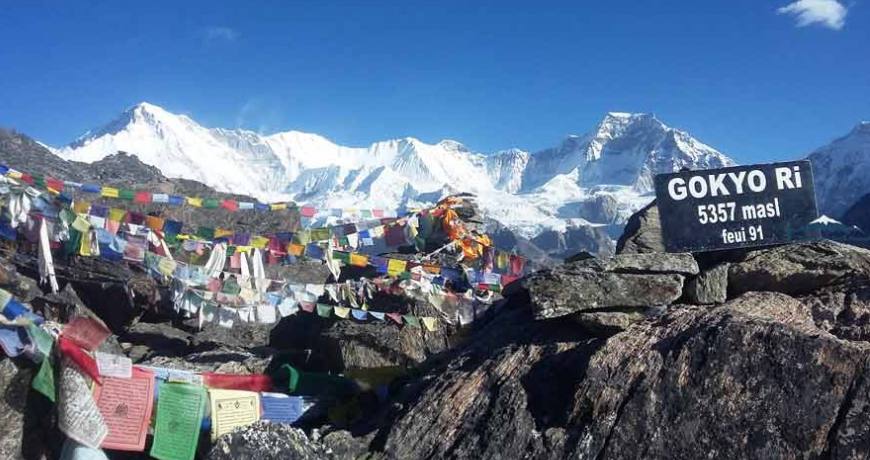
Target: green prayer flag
[(302, 237), (42, 339), (67, 216), (324, 310), (126, 194), (39, 181), (320, 234), (343, 241), (211, 203), (342, 256), (179, 420), (411, 320), (206, 233), (43, 381)]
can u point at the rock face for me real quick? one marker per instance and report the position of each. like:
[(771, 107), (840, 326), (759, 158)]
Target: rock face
[(753, 378), (766, 374), (709, 287), (265, 441), (630, 280), (798, 268), (643, 232)]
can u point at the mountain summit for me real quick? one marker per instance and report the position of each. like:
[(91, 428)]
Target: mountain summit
[(840, 170), (529, 192)]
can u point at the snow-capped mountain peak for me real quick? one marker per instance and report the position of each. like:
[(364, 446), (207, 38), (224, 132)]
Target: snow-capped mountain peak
[(529, 192)]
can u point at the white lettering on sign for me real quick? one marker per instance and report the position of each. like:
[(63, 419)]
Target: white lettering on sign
[(733, 183)]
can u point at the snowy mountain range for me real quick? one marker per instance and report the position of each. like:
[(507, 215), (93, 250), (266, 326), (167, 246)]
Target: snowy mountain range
[(597, 179)]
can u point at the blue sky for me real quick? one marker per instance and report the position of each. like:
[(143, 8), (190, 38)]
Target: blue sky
[(759, 80)]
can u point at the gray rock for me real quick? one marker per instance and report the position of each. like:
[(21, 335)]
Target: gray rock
[(570, 289), (23, 288), (15, 384), (643, 232), (222, 360), (842, 310), (709, 287), (610, 321), (341, 345), (798, 268), (753, 378), (267, 441), (681, 263)]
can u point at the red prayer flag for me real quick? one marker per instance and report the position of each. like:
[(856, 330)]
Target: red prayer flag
[(308, 211), (81, 359), (378, 213), (142, 197), (27, 179), (517, 263), (54, 184), (248, 382), (126, 406), (230, 205), (85, 332), (397, 317)]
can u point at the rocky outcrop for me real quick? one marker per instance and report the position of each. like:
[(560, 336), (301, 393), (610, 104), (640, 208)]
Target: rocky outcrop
[(766, 374), (694, 382), (630, 280), (798, 268), (643, 232)]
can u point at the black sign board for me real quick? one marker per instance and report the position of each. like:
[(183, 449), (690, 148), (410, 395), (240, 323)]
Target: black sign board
[(737, 207)]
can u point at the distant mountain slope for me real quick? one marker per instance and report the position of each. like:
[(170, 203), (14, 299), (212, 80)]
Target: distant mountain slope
[(841, 171)]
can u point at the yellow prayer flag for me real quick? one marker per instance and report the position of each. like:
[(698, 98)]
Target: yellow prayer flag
[(430, 323), (277, 206), (231, 409), (109, 192), (245, 249), (259, 242), (358, 260), (195, 202), (14, 174), (117, 214), (85, 244), (81, 224), (341, 312), (81, 207), (395, 267), (222, 232), (166, 266)]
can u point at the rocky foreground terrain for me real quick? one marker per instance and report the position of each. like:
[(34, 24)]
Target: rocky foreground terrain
[(746, 354)]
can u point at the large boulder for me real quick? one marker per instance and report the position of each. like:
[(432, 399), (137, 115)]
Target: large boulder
[(798, 268), (753, 378), (643, 232), (629, 280), (340, 345)]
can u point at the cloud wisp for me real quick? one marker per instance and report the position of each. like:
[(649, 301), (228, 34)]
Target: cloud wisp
[(826, 13), (220, 34)]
